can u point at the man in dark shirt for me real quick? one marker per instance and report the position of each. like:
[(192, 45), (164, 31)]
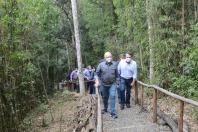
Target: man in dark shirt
[(107, 74)]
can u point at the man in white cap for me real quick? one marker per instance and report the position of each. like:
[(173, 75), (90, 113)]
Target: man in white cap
[(107, 74)]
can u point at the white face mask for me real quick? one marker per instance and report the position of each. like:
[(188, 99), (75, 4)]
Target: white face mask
[(128, 60), (109, 59)]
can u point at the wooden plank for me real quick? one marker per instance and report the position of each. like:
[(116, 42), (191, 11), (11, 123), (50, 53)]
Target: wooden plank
[(99, 114), (142, 96), (144, 84), (181, 115), (136, 92), (155, 106)]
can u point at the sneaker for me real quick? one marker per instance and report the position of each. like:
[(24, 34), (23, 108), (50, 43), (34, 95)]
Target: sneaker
[(104, 111), (121, 107), (128, 106), (114, 115)]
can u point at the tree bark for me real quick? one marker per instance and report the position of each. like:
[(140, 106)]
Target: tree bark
[(151, 39), (183, 22), (77, 40), (195, 9), (173, 125), (68, 58)]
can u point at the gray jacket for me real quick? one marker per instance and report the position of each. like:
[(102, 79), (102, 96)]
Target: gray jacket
[(107, 72)]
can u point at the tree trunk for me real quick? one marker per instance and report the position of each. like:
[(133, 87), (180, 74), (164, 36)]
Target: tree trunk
[(151, 39), (68, 58), (77, 40), (183, 22), (195, 10)]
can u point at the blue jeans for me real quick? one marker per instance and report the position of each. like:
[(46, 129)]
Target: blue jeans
[(109, 91), (125, 88)]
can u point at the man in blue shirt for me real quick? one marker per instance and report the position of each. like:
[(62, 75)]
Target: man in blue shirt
[(128, 72), (106, 77), (89, 76)]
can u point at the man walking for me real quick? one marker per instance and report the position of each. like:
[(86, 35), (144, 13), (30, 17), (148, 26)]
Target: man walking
[(107, 74), (128, 72), (89, 76)]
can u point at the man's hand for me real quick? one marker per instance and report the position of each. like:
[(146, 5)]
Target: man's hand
[(133, 83), (97, 83)]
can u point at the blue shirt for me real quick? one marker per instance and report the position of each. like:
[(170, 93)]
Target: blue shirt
[(88, 74), (127, 70)]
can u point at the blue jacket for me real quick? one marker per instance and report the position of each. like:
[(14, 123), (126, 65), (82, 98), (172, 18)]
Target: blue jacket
[(107, 72)]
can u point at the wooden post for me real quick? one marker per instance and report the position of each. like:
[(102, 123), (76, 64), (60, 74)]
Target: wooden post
[(99, 114), (142, 96), (181, 115), (136, 92), (155, 106)]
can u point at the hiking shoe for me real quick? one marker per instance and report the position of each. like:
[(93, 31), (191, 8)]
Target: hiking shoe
[(128, 106), (114, 115), (104, 111), (121, 107)]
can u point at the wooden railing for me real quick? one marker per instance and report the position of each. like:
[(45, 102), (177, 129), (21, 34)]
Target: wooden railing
[(99, 114), (155, 97)]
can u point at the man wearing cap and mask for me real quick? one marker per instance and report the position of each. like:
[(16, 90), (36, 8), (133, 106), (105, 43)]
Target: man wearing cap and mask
[(107, 74), (127, 70)]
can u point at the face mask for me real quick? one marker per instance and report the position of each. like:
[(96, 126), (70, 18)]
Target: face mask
[(109, 59), (128, 60)]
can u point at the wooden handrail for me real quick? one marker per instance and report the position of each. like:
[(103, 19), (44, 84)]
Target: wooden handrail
[(189, 101), (156, 89), (99, 114)]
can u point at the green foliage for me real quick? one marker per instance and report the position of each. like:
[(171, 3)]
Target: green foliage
[(32, 56), (186, 86)]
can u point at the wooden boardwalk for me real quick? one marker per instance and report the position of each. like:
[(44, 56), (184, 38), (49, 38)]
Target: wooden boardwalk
[(131, 120)]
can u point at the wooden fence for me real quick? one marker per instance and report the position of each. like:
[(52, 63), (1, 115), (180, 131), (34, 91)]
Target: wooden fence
[(157, 89)]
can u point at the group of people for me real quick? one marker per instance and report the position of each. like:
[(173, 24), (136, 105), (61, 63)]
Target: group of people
[(89, 76), (112, 75)]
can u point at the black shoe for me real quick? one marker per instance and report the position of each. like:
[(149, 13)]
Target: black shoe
[(128, 106), (104, 111), (121, 107), (114, 115)]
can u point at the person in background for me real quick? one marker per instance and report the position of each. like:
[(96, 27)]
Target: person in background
[(121, 60), (127, 70), (89, 76), (67, 75), (74, 77), (106, 78)]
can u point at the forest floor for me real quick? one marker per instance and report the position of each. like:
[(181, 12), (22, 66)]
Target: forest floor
[(55, 116)]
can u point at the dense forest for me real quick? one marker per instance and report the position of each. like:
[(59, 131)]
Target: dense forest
[(37, 46)]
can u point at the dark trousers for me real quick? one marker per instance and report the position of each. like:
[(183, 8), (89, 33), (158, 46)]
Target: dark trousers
[(91, 87), (125, 90), (118, 91)]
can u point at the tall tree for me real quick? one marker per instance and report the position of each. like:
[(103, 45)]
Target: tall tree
[(77, 40), (150, 19)]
